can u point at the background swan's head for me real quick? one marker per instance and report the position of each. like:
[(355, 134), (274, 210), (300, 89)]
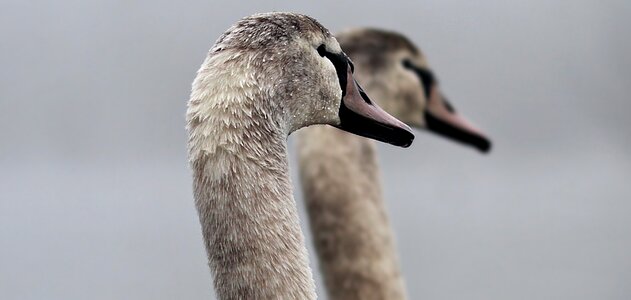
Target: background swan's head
[(398, 77), (296, 73)]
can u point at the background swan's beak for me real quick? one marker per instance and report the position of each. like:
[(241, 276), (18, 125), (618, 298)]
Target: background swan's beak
[(441, 118), (361, 116)]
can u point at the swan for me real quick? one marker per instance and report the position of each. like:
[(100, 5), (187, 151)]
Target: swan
[(265, 77), (339, 172)]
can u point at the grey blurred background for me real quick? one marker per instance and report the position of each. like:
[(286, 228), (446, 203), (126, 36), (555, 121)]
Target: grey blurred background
[(95, 193)]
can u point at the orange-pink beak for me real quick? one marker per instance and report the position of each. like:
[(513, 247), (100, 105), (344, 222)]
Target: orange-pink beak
[(441, 118), (361, 116)]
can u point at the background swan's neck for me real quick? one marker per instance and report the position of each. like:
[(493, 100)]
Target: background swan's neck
[(244, 199), (349, 222)]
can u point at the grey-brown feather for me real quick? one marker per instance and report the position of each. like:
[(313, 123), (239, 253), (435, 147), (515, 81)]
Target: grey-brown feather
[(262, 80)]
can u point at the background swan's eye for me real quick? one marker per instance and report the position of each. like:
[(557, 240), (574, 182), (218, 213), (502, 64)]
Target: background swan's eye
[(427, 77), (407, 63)]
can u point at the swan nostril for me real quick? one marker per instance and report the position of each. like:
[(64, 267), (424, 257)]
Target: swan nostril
[(448, 106), (364, 96)]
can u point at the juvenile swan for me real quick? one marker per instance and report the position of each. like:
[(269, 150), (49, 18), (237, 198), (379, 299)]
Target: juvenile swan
[(267, 76), (339, 172)]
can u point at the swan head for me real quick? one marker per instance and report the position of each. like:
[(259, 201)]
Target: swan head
[(401, 80), (297, 73)]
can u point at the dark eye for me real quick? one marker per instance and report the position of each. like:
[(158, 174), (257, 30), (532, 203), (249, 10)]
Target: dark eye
[(340, 62), (426, 76), (322, 50)]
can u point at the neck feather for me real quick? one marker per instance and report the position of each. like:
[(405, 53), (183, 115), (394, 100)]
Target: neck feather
[(243, 195)]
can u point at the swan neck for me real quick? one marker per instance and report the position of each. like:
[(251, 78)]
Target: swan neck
[(351, 232), (249, 218)]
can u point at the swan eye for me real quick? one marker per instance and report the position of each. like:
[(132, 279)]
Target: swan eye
[(340, 62), (426, 76), (322, 50)]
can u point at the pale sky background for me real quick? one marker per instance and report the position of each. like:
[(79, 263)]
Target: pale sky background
[(95, 193)]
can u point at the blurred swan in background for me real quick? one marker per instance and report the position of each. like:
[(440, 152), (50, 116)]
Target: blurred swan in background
[(340, 175)]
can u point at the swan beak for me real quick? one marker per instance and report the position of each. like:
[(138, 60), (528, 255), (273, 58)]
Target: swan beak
[(361, 116), (441, 118)]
